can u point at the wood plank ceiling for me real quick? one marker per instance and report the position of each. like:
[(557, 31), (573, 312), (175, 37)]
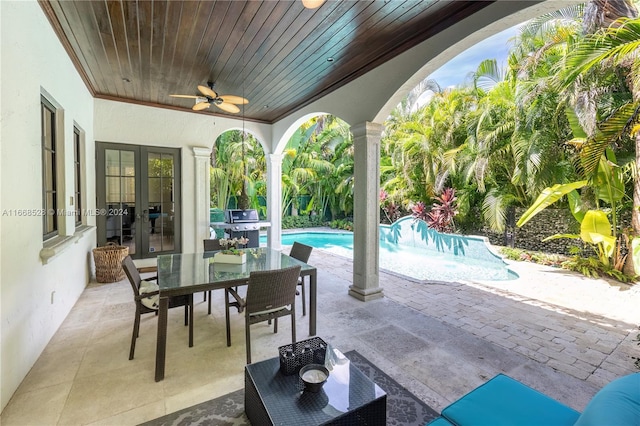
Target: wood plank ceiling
[(277, 54)]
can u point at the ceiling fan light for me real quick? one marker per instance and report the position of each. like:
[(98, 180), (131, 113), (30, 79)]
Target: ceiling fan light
[(312, 4)]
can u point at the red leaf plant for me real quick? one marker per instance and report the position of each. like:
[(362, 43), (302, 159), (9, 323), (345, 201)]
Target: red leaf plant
[(419, 211), (389, 208), (442, 213)]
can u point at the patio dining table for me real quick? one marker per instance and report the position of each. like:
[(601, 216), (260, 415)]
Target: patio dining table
[(189, 273)]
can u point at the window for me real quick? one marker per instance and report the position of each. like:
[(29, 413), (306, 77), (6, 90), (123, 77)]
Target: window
[(49, 171), (77, 175)]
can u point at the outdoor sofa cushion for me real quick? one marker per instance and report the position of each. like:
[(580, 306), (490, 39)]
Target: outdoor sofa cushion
[(618, 403), (505, 401), (440, 421)]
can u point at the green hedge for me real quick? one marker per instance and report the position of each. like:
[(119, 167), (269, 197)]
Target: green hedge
[(290, 222), (346, 224)]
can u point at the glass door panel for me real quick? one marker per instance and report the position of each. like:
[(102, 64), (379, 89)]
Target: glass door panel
[(138, 198), (119, 208), (160, 184)]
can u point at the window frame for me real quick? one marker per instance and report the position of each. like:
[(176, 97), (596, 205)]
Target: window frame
[(46, 105), (78, 176)]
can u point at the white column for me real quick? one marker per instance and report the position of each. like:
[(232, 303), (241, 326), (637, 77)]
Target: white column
[(201, 197), (366, 211), (274, 200)]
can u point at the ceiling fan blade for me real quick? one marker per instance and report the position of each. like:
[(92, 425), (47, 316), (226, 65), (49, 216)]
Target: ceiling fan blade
[(228, 107), (185, 96), (207, 91), (200, 106), (234, 99)]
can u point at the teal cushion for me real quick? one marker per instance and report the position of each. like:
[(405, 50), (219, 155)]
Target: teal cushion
[(440, 421), (505, 401), (618, 403)]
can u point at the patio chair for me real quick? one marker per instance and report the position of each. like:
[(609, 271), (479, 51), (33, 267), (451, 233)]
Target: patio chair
[(212, 244), (301, 252), (146, 295), (270, 295)]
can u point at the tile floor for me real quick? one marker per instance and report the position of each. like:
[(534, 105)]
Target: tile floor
[(557, 332)]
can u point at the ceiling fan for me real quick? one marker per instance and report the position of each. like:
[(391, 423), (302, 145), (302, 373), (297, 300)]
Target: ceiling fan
[(209, 97)]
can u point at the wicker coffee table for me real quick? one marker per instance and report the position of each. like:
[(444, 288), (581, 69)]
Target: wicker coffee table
[(347, 398)]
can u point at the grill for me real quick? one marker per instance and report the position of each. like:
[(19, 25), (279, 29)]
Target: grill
[(242, 223)]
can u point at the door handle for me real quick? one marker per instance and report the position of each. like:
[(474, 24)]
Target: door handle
[(145, 216)]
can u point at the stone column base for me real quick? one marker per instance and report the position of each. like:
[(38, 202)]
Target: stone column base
[(365, 294)]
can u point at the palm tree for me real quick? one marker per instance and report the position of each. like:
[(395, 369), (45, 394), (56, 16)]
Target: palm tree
[(303, 163), (542, 157), (604, 13), (618, 47), (232, 158), (334, 190)]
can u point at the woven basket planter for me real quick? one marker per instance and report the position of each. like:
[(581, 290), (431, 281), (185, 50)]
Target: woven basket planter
[(108, 261)]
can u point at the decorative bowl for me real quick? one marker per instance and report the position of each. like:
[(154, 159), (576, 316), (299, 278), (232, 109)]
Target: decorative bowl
[(314, 376)]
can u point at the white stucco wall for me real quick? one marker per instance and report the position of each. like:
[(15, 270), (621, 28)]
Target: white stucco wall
[(119, 122), (33, 62)]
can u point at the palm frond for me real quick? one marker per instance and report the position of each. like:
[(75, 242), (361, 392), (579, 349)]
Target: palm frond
[(542, 23), (494, 211), (617, 44), (611, 129), (488, 74)]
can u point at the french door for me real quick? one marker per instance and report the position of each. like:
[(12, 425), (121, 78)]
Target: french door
[(138, 198)]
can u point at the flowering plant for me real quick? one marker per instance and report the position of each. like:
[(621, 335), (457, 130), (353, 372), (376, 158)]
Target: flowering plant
[(231, 245)]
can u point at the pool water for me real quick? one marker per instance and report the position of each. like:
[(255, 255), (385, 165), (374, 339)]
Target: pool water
[(415, 262)]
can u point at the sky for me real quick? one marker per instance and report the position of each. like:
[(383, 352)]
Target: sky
[(456, 70)]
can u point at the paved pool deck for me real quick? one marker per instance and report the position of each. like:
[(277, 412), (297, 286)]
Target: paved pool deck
[(557, 331)]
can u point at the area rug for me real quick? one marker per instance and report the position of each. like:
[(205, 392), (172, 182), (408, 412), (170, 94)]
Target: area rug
[(403, 408)]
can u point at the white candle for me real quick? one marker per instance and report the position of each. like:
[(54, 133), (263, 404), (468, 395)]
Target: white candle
[(314, 376)]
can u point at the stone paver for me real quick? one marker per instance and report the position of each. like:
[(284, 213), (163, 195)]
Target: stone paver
[(564, 334)]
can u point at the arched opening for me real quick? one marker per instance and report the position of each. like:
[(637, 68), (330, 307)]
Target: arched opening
[(237, 175)]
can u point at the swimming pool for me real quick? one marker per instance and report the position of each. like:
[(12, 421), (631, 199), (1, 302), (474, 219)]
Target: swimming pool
[(415, 262)]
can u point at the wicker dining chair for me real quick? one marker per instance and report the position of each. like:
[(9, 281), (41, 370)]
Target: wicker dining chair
[(270, 295), (301, 252), (146, 294)]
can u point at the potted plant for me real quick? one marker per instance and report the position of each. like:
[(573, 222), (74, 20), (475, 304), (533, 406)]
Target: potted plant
[(231, 253)]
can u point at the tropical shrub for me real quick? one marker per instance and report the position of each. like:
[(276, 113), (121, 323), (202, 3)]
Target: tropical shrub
[(595, 229), (595, 268), (390, 210), (419, 211), (346, 224), (588, 266), (532, 256), (291, 222), (441, 215)]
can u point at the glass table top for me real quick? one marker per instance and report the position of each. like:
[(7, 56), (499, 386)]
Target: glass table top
[(181, 270), (347, 389)]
